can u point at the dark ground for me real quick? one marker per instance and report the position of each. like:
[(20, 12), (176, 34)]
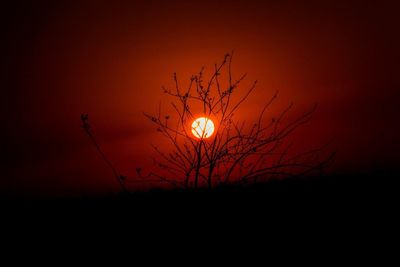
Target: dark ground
[(350, 212), (373, 192)]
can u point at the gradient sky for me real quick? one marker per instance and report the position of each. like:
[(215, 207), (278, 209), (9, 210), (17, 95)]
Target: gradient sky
[(110, 58)]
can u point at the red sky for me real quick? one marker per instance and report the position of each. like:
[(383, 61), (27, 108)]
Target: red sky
[(110, 58)]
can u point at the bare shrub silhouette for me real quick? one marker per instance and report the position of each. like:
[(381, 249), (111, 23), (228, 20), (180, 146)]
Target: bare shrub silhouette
[(238, 152)]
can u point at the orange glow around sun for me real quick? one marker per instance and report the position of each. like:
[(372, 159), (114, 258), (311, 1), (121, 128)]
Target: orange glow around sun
[(203, 127)]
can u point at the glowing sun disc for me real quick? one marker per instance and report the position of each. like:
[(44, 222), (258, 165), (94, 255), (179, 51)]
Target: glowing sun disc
[(202, 127)]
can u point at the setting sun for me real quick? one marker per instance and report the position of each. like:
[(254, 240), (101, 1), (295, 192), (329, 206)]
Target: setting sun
[(203, 127)]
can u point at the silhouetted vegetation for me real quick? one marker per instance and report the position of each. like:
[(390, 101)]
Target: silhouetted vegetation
[(238, 153)]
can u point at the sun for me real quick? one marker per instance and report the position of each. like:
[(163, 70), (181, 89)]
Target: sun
[(203, 127)]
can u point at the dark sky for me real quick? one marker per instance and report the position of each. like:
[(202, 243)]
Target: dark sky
[(110, 58)]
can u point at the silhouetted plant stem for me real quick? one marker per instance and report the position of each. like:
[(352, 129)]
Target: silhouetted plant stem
[(196, 177), (86, 127), (209, 178)]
